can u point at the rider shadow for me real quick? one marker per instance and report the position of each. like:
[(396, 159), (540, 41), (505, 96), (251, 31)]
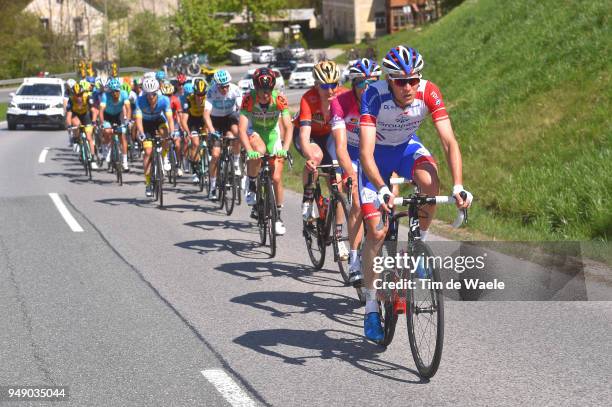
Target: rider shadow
[(240, 248), (337, 307), (299, 272), (209, 225), (143, 203), (330, 344), (183, 208)]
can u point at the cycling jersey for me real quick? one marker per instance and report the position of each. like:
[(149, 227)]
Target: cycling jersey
[(223, 105), (345, 115), (191, 106), (143, 108), (77, 107), (176, 106), (263, 120), (96, 97), (312, 114), (110, 106), (396, 125)]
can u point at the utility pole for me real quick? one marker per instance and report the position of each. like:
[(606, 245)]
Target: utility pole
[(105, 31)]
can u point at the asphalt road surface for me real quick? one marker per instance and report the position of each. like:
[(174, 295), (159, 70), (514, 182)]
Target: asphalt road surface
[(181, 306)]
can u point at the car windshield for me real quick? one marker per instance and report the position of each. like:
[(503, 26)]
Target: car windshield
[(248, 77), (303, 69), (40, 89)]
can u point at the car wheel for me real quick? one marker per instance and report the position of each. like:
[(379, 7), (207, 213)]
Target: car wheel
[(11, 125), (28, 126)]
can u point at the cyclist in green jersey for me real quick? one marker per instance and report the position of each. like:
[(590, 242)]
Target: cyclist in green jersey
[(265, 127)]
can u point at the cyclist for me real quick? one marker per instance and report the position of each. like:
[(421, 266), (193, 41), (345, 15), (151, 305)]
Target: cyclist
[(96, 95), (193, 113), (312, 133), (391, 112), (134, 93), (265, 127), (160, 76), (115, 109), (78, 113), (175, 104), (345, 128), (153, 113), (223, 102)]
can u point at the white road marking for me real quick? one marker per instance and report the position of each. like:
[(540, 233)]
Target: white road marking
[(70, 220), (43, 155), (228, 388)]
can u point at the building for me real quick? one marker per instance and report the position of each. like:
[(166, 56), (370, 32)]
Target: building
[(77, 18), (356, 20), (304, 17)]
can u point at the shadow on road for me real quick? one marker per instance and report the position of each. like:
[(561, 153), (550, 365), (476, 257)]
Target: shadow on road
[(328, 344), (300, 272), (240, 248), (209, 225), (339, 308)]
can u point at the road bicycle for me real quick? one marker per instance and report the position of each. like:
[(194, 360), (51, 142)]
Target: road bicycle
[(422, 301), (157, 168), (116, 165), (172, 157), (330, 228), (227, 181), (85, 156), (201, 166), (267, 212)]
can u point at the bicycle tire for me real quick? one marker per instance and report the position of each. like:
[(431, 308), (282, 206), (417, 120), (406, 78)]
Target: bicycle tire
[(204, 168), (343, 265), (229, 188), (160, 183), (313, 235), (388, 312), (427, 364), (221, 164), (261, 212), (118, 166), (271, 216), (88, 159)]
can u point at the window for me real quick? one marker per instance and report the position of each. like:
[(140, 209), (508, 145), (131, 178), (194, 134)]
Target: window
[(400, 20), (78, 24), (80, 50), (59, 1), (381, 20), (45, 23), (40, 89)]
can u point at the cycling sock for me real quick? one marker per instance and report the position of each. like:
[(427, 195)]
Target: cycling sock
[(423, 235), (252, 184), (353, 257), (371, 305), (278, 210), (236, 159), (147, 179), (124, 157), (213, 182)]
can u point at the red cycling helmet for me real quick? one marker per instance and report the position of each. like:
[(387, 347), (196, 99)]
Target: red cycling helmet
[(181, 78), (264, 79)]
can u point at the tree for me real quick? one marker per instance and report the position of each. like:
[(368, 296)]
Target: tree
[(149, 42), (200, 31)]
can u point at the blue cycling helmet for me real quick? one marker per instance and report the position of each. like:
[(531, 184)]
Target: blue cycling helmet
[(188, 88), (91, 79), (160, 75), (364, 68), (222, 77), (402, 61), (114, 85)]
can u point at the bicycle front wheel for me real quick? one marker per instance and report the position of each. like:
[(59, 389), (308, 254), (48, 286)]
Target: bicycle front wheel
[(271, 216), (221, 180), (229, 188), (339, 231), (425, 311), (160, 180), (261, 212)]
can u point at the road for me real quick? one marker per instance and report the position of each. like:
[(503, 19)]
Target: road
[(147, 306)]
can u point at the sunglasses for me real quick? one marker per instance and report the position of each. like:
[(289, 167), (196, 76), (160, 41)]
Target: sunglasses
[(328, 86), (362, 84), (224, 86), (401, 82)]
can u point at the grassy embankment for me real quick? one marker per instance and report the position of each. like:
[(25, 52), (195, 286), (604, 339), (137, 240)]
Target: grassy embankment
[(527, 85), (3, 107)]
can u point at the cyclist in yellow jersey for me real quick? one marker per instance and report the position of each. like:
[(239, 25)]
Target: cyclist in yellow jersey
[(78, 112), (193, 113)]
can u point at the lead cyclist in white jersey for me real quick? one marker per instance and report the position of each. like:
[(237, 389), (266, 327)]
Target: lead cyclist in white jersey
[(391, 112), (221, 113)]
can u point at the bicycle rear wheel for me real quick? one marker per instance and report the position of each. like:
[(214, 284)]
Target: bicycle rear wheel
[(425, 312), (339, 232), (315, 241)]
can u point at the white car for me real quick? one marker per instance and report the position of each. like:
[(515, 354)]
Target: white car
[(263, 54), (345, 71), (297, 50), (301, 76), (246, 84), (37, 101)]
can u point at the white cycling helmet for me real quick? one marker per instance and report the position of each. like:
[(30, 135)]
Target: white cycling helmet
[(148, 75), (150, 85), (70, 83), (402, 61)]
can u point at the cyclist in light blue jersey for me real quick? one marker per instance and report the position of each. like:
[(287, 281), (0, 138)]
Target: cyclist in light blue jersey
[(115, 109)]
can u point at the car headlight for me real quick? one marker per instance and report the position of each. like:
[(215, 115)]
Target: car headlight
[(12, 104), (60, 104)]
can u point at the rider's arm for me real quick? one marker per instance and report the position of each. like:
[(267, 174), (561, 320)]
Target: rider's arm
[(339, 135), (285, 122), (207, 119), (243, 125), (367, 142), (305, 118), (451, 149), (127, 110), (138, 118)]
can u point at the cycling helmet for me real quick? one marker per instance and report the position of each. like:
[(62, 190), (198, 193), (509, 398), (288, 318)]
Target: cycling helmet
[(137, 82), (150, 85), (402, 61), (85, 86), (188, 88), (167, 89), (222, 77), (364, 68), (90, 79), (264, 79), (70, 83), (125, 86), (160, 75), (199, 86), (114, 85), (148, 75), (181, 78), (78, 89), (326, 72)]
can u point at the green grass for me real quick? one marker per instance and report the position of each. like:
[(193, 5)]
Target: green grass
[(3, 107), (527, 85)]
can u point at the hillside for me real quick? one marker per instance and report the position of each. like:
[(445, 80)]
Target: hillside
[(528, 87)]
